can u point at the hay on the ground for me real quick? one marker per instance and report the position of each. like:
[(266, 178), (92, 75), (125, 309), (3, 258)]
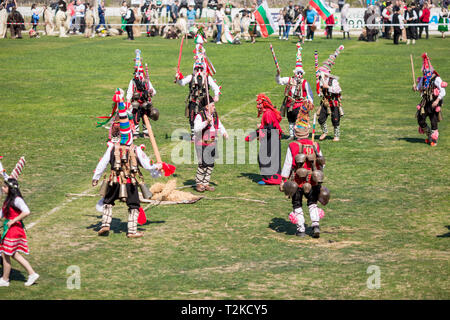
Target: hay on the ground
[(167, 192)]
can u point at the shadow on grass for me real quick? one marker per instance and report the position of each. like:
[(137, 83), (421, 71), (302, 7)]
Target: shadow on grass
[(283, 226), (15, 274), (117, 226), (412, 140), (191, 182), (252, 176), (445, 235)]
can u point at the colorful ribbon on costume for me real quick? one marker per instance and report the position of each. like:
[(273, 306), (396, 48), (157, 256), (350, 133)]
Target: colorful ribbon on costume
[(316, 65), (275, 59)]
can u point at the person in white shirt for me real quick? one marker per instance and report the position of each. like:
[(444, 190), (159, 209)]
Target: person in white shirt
[(219, 14), (207, 127), (79, 16)]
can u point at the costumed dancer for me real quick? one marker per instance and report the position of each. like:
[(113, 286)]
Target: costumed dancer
[(13, 238), (432, 90), (298, 97), (330, 91), (200, 82), (139, 94), (207, 127), (124, 158), (269, 134), (303, 168)]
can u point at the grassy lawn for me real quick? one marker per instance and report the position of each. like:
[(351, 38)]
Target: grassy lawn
[(389, 205)]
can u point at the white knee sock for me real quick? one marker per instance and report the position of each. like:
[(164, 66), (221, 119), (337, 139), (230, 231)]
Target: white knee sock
[(314, 214)]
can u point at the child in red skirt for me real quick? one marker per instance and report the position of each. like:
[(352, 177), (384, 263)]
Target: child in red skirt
[(13, 239)]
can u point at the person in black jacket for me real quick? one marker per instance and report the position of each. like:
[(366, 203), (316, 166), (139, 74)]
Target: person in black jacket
[(130, 18), (395, 22)]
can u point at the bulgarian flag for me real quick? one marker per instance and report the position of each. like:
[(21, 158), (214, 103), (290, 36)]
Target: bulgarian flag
[(264, 19), (321, 7)]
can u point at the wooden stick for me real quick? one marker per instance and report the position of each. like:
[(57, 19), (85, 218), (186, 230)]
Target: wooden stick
[(412, 68), (235, 198), (81, 195), (171, 202), (152, 138)]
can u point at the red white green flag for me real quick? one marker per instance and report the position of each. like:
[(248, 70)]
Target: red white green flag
[(264, 19), (321, 7)]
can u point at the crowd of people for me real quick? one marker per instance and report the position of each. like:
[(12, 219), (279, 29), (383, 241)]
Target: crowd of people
[(408, 20), (182, 18)]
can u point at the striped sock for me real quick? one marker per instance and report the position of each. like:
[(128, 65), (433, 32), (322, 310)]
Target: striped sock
[(107, 215), (337, 132), (324, 127), (207, 176), (200, 175), (132, 220)]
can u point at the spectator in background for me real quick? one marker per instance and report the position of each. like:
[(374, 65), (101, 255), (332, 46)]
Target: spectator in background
[(174, 11), (101, 15), (190, 14), (123, 12), (387, 19), (396, 19), (183, 5), (212, 4), (344, 20), (311, 19), (159, 6), (10, 4), (341, 4), (424, 18), (280, 21), (3, 18), (411, 18), (443, 21), (199, 8), (34, 16), (329, 22), (288, 19), (219, 23), (80, 8), (169, 4), (71, 15), (89, 22), (129, 19)]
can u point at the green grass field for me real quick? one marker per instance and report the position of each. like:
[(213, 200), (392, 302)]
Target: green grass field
[(390, 191)]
